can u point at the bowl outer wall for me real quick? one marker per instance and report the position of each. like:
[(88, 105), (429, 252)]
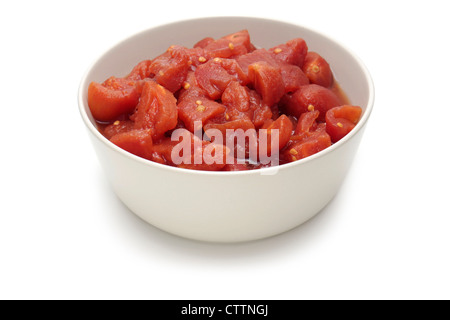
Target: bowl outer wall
[(227, 207)]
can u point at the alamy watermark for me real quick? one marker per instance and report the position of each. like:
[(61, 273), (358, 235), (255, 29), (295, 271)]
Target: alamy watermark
[(236, 147)]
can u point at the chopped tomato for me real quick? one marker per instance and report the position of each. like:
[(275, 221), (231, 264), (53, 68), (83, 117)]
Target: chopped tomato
[(308, 146), (284, 126), (237, 100), (215, 75), (194, 105), (341, 120), (267, 81), (170, 69), (157, 110), (113, 98), (137, 142), (256, 56), (318, 70), (311, 97), (292, 52), (141, 71), (118, 127), (293, 78), (232, 45)]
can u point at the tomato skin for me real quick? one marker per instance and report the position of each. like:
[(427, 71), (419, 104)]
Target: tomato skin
[(267, 81), (137, 142), (320, 98), (341, 120), (157, 110), (113, 98), (292, 52), (318, 70)]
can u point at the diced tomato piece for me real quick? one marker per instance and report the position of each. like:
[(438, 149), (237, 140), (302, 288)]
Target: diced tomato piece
[(284, 126), (292, 52), (316, 142), (307, 122), (157, 110), (258, 55), (118, 127), (194, 105), (141, 71), (236, 99), (232, 45), (197, 56), (204, 42), (170, 69), (293, 77), (215, 75), (262, 112), (267, 81), (113, 98), (311, 97), (341, 120), (240, 38), (137, 142), (318, 70)]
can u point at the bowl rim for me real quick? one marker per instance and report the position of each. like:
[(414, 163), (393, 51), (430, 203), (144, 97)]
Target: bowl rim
[(84, 85)]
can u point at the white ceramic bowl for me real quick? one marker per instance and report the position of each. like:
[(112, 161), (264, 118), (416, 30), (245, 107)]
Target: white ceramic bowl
[(228, 206)]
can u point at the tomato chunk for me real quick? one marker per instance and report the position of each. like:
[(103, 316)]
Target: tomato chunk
[(137, 142), (170, 69), (284, 126), (318, 70), (262, 111), (256, 56), (157, 110), (311, 97), (118, 127), (141, 71), (215, 75), (307, 147), (194, 105), (293, 78), (267, 81), (237, 100), (113, 98), (232, 45), (292, 52), (204, 42), (341, 120)]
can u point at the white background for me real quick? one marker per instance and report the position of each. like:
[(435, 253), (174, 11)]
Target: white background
[(63, 233)]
